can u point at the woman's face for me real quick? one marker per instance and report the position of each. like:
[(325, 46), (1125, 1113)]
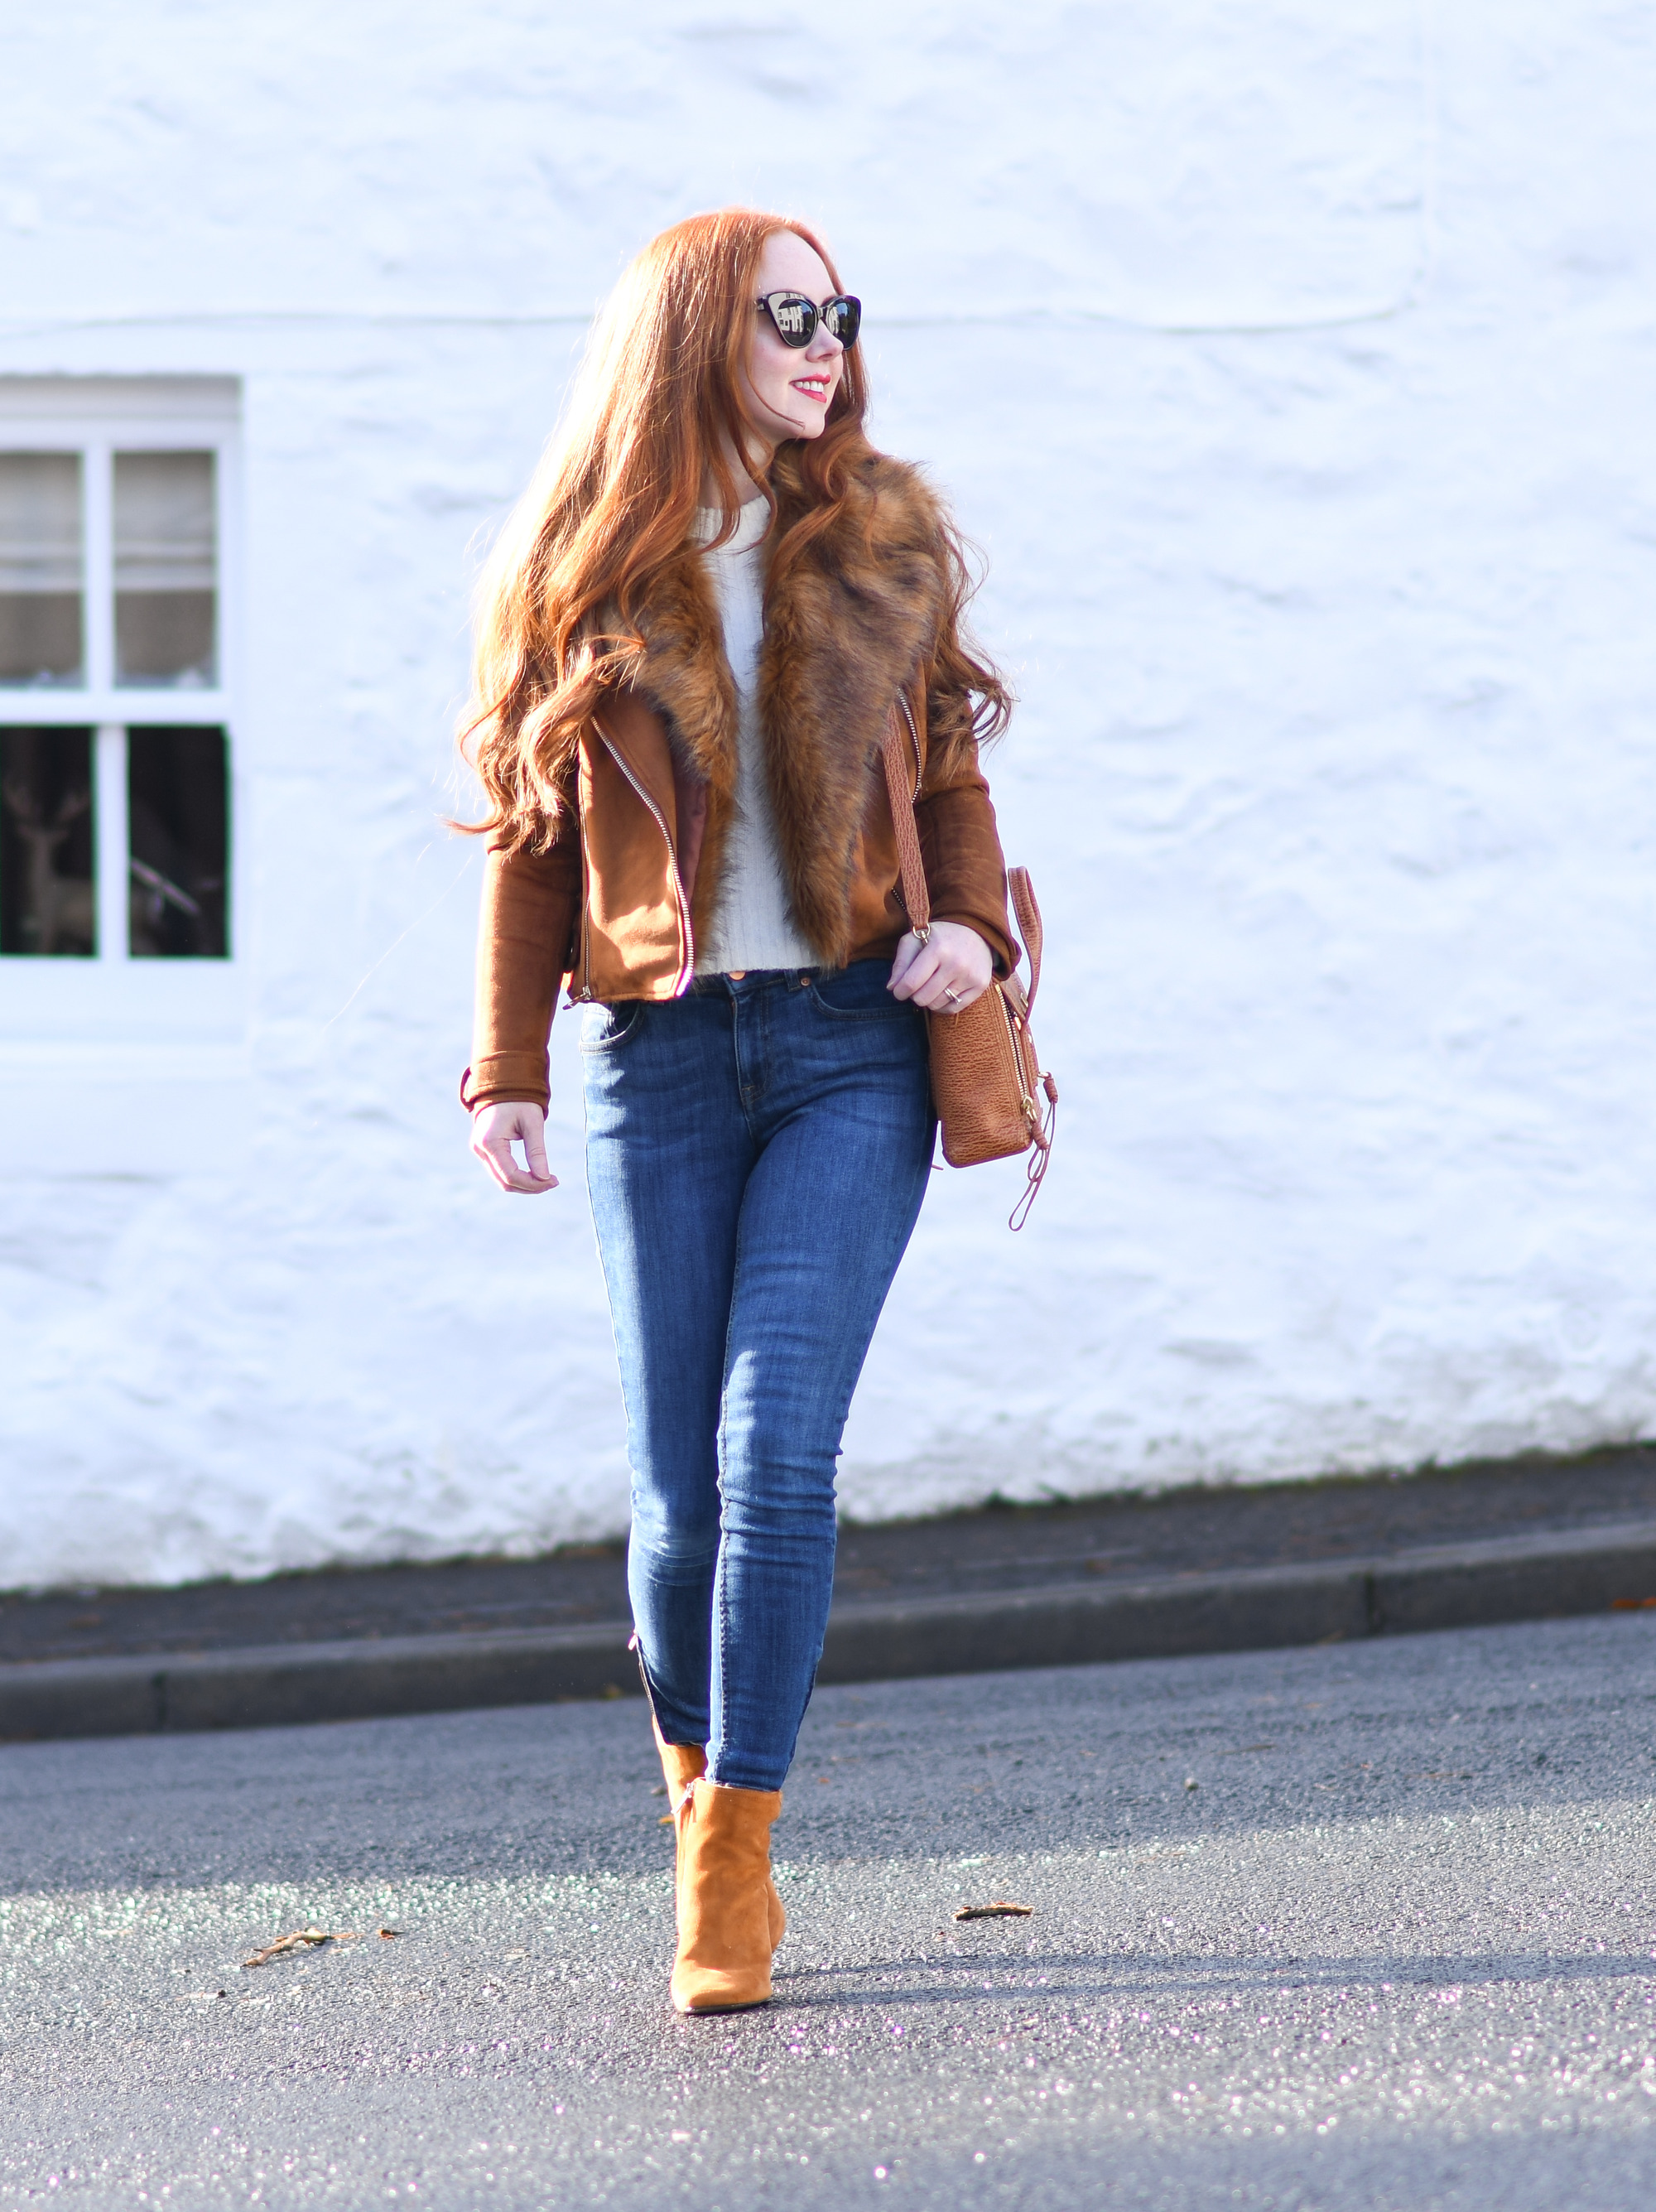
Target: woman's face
[(787, 390)]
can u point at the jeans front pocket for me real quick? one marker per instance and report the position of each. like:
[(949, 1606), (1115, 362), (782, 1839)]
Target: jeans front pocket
[(602, 1027), (858, 994)]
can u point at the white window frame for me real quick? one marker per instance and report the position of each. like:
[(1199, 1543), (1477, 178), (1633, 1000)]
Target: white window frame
[(69, 1006)]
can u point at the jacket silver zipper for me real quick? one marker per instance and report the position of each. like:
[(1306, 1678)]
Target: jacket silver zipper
[(583, 997), (687, 965), (914, 740)]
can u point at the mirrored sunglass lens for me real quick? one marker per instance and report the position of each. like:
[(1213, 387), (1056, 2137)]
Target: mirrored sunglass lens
[(844, 317), (795, 318)]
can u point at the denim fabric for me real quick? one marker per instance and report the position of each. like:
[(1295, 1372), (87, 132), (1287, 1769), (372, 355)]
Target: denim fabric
[(756, 1153)]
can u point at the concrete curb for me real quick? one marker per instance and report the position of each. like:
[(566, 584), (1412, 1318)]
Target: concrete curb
[(1249, 1609)]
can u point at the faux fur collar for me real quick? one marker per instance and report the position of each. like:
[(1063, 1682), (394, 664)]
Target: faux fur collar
[(846, 631)]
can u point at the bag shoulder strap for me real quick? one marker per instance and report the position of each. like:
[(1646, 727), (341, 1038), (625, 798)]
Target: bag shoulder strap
[(916, 897), (1028, 918)]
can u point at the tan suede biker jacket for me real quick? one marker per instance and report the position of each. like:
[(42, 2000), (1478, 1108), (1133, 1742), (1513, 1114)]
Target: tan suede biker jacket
[(617, 902)]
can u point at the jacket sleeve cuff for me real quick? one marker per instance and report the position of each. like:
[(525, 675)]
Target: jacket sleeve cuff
[(507, 1075)]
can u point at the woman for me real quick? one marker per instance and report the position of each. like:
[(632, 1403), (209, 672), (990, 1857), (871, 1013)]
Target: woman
[(711, 601)]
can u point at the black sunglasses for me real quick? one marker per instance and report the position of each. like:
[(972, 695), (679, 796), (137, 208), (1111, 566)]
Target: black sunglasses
[(795, 318)]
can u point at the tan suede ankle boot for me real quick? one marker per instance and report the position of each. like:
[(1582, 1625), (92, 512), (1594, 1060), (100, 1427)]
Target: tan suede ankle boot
[(724, 1959), (682, 1764)]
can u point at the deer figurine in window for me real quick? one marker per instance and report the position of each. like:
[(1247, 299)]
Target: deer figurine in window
[(59, 911)]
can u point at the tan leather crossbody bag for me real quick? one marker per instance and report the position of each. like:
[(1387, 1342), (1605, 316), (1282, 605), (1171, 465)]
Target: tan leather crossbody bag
[(992, 1096)]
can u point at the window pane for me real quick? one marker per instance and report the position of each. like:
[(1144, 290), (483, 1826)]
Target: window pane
[(163, 568), (177, 806), (47, 900), (39, 568)]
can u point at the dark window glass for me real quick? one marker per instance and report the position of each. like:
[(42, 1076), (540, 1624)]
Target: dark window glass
[(178, 807), (39, 568), (48, 900), (165, 564)]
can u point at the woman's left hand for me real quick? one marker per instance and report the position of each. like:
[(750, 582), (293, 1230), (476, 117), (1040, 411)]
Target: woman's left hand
[(945, 973)]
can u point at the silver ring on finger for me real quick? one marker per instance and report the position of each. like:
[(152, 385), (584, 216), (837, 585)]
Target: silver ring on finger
[(953, 997)]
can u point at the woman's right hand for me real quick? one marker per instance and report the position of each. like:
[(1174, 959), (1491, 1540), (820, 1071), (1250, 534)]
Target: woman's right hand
[(495, 1129)]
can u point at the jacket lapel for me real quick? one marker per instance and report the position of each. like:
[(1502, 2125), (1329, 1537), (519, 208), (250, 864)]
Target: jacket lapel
[(684, 675), (847, 630)]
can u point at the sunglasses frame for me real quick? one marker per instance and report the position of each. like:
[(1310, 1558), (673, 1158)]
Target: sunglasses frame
[(766, 301)]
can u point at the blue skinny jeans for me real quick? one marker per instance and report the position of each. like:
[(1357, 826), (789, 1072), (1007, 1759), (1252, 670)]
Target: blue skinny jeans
[(756, 1153)]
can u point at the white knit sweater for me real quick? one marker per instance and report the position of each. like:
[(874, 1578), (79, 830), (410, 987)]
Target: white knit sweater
[(752, 928)]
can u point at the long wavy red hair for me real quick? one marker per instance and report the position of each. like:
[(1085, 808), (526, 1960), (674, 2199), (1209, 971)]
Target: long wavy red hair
[(654, 416)]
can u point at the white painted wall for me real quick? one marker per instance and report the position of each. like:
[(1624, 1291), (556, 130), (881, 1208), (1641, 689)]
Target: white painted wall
[(1291, 359)]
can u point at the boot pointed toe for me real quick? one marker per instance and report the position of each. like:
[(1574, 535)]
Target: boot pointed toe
[(697, 1990)]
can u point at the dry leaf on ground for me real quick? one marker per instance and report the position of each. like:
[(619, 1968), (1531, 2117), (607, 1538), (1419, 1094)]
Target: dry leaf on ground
[(300, 1938), (998, 1911)]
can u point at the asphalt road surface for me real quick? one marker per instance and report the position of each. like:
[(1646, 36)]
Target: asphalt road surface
[(1359, 1926)]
